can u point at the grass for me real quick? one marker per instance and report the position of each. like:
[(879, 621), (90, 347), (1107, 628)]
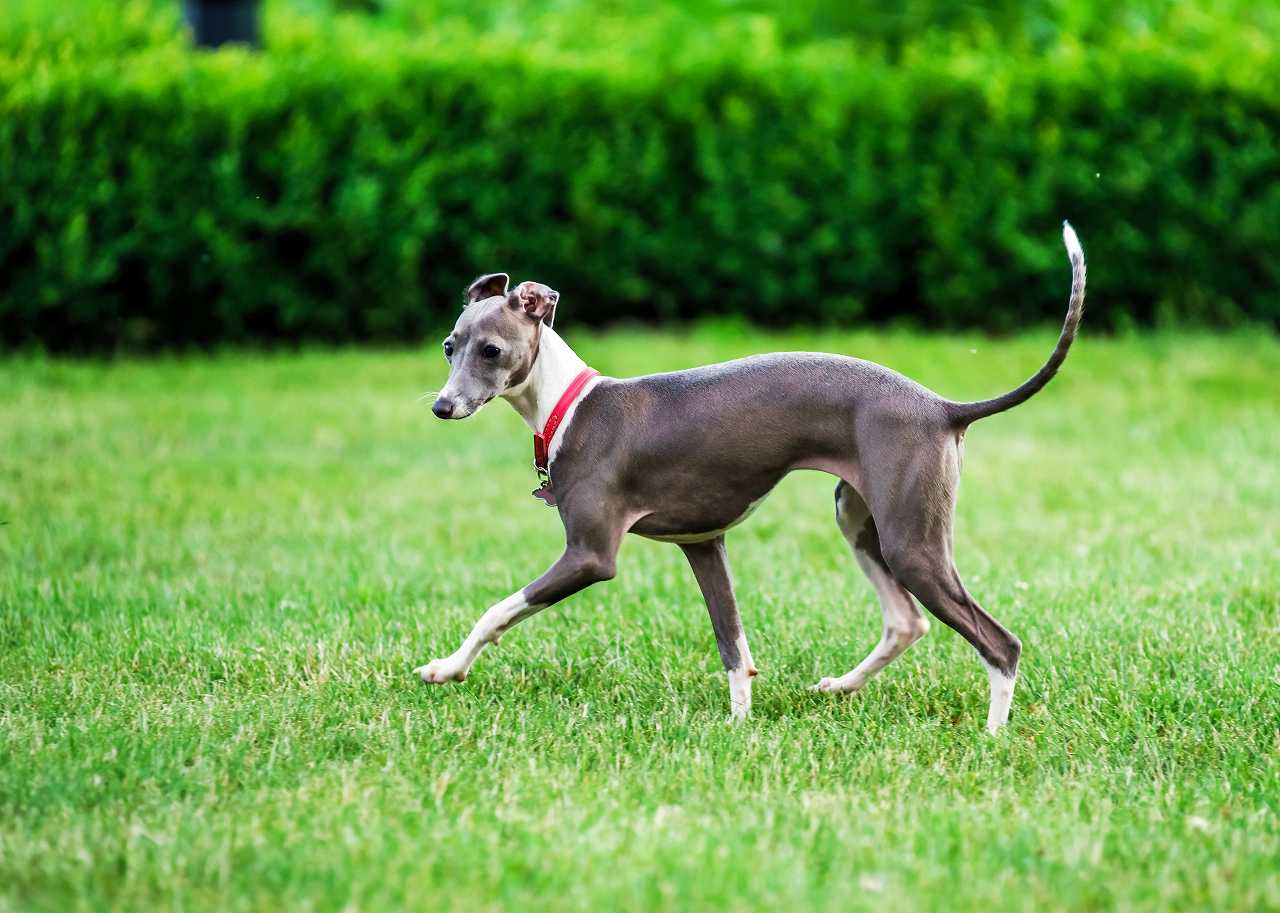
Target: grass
[(217, 573)]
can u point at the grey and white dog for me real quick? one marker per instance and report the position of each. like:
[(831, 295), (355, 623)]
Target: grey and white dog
[(684, 457)]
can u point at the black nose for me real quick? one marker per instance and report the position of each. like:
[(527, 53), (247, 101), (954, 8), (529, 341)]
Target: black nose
[(443, 408)]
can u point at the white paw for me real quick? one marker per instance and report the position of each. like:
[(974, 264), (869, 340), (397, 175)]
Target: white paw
[(840, 685), (439, 671)]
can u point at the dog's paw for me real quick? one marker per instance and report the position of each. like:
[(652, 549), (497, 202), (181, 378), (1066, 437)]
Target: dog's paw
[(840, 685), (439, 671)]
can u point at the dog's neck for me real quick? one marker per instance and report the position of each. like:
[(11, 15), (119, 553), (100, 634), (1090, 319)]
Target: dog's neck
[(554, 368)]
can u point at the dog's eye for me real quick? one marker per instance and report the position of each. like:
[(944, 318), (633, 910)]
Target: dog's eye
[(491, 351), (448, 349)]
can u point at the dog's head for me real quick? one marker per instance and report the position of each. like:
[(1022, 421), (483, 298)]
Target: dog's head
[(494, 343)]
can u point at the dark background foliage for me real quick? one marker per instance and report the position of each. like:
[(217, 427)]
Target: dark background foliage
[(783, 164)]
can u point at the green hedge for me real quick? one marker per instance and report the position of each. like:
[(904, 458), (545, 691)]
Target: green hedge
[(347, 182)]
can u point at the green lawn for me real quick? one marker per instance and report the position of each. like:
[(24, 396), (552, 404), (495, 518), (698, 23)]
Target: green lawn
[(216, 575)]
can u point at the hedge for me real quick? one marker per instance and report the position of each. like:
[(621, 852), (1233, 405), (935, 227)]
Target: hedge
[(346, 184)]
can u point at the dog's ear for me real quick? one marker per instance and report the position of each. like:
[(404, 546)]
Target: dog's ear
[(492, 285), (536, 300)]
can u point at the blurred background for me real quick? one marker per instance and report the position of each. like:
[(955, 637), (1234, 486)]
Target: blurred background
[(342, 176)]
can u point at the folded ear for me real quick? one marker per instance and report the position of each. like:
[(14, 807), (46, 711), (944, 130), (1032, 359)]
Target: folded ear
[(536, 300), (488, 286)]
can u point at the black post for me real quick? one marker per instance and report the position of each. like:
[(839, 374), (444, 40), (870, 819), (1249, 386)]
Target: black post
[(217, 22)]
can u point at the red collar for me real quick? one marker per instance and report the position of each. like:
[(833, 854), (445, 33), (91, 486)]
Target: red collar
[(543, 441)]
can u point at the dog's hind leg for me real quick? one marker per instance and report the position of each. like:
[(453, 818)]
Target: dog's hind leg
[(711, 568), (915, 539), (903, 622), (936, 583)]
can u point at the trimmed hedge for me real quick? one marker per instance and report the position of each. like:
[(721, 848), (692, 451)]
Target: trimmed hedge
[(346, 184)]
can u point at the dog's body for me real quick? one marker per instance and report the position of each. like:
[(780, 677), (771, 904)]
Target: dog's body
[(682, 457)]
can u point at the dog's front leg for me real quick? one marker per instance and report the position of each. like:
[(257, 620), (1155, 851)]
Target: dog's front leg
[(589, 560), (497, 619), (711, 568)]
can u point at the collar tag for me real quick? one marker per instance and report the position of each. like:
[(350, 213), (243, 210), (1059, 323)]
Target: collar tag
[(544, 493)]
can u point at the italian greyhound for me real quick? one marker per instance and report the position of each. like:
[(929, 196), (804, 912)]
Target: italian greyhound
[(686, 456)]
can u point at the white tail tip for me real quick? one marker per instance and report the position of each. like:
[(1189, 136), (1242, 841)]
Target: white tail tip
[(1073, 243)]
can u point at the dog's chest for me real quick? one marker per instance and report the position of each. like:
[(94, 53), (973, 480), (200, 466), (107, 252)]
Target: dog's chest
[(688, 526)]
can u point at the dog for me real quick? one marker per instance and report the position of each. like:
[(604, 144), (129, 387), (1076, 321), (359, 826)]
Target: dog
[(685, 457)]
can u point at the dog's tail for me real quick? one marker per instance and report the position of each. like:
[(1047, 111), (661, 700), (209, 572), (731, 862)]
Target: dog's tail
[(963, 414)]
